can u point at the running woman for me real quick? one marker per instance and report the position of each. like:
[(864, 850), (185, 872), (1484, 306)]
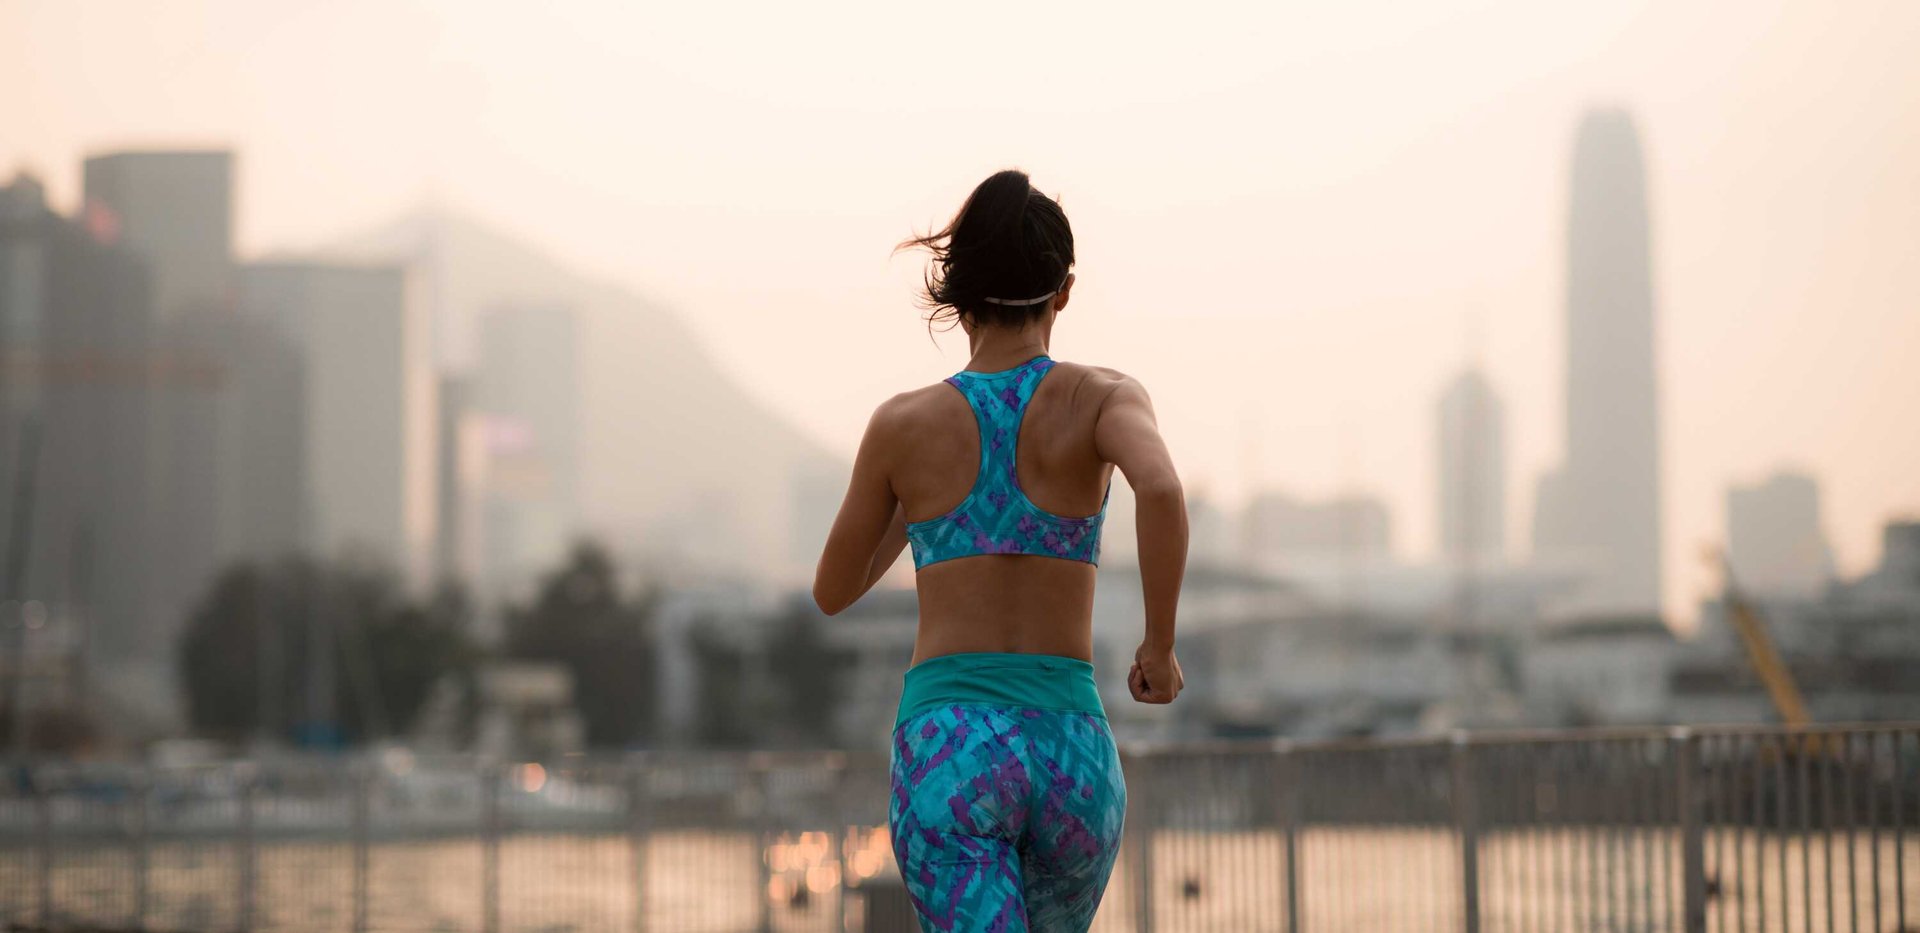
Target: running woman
[(1007, 795)]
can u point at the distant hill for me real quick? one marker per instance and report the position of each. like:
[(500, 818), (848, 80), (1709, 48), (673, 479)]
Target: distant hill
[(679, 464)]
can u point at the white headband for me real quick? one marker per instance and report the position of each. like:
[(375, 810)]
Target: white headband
[(1021, 302), (1027, 302)]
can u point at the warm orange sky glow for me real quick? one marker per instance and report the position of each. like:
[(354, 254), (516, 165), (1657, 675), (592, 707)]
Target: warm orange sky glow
[(1330, 206)]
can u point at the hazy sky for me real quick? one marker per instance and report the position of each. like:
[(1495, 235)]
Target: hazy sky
[(1294, 220)]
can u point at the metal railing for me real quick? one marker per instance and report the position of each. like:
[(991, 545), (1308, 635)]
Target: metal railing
[(1800, 831)]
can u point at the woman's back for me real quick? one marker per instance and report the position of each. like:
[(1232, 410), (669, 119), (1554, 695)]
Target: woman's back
[(1007, 794), (1023, 602)]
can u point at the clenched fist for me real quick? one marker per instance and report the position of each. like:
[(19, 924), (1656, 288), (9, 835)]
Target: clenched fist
[(1155, 676)]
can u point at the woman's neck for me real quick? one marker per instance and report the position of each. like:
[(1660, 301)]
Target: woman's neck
[(997, 348)]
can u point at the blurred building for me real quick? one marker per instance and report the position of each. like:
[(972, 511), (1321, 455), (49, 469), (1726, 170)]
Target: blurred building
[(1897, 580), (1774, 539), (1472, 473), (76, 318), (1322, 676), (528, 391), (261, 411), (369, 406), (693, 482), (1599, 671), (173, 210), (1853, 648), (1215, 603), (1599, 511)]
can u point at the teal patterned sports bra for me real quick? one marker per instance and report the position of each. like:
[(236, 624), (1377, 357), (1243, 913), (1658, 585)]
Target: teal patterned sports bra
[(996, 517)]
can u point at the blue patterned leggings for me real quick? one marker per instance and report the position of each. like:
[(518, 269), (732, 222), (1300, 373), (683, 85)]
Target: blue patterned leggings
[(1005, 819)]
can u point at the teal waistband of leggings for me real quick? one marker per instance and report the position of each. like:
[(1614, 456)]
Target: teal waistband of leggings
[(991, 678)]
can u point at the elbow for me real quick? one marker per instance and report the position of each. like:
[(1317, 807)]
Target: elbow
[(830, 602), (835, 586)]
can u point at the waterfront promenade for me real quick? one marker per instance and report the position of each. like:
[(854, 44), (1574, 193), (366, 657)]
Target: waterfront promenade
[(1687, 830)]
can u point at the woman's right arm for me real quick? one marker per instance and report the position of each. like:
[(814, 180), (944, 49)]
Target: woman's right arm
[(1127, 436), (869, 532)]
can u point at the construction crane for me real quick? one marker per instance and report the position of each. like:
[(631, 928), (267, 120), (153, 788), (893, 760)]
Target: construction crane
[(1761, 652)]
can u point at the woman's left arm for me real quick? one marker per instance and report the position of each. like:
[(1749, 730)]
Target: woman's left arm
[(868, 534)]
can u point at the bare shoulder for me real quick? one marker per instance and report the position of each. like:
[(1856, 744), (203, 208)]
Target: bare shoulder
[(912, 404), (908, 411), (1103, 383)]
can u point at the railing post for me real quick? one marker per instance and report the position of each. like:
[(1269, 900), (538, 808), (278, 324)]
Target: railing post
[(772, 828), (43, 841), (1143, 820), (760, 770), (244, 779), (639, 818), (1685, 748), (836, 837), (1287, 766), (490, 776), (142, 846), (1466, 822), (361, 779)]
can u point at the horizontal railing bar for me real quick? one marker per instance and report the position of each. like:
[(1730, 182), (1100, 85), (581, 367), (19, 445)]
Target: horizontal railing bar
[(321, 763), (1588, 735)]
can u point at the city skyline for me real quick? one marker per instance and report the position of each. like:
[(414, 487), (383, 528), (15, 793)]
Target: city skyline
[(1469, 414), (1780, 207), (1467, 393)]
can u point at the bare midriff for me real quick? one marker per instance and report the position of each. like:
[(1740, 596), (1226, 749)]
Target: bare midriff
[(1013, 603)]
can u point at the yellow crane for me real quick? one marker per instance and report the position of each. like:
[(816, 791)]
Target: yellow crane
[(1761, 652)]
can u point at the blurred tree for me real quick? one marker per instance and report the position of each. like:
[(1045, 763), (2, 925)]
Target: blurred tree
[(808, 674), (723, 703), (297, 648), (784, 690), (581, 619)]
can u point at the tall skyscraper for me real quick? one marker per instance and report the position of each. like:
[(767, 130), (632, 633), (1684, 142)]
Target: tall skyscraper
[(1599, 513), (1472, 472), (75, 422), (173, 210), (370, 413), (1774, 539)]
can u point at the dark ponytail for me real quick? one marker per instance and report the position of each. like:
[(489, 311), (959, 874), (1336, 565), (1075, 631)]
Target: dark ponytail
[(1009, 243)]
